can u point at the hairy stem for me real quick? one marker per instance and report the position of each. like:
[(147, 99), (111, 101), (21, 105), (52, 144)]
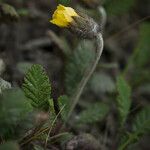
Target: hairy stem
[(88, 73), (103, 19)]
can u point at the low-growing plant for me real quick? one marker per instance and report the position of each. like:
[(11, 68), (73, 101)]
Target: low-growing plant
[(31, 118)]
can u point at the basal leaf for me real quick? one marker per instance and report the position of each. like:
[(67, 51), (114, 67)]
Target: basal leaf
[(123, 99), (37, 87)]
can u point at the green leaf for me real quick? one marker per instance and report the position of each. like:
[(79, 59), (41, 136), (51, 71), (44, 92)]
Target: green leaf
[(13, 110), (141, 126), (142, 50), (139, 60), (77, 64), (123, 99), (37, 87), (126, 140), (141, 123), (94, 113)]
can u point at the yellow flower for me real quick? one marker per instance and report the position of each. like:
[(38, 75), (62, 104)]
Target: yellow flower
[(63, 16)]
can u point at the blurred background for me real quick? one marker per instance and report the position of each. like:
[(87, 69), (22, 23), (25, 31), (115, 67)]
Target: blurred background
[(27, 37)]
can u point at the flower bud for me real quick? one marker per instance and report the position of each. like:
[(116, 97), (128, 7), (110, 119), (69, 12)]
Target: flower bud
[(84, 26), (78, 23)]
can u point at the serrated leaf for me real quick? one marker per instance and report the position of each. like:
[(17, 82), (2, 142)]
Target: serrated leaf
[(94, 113), (37, 87), (4, 85), (141, 126), (123, 99), (141, 123), (76, 65)]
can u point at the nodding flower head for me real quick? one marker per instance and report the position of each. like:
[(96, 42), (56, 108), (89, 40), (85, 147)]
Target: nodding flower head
[(79, 23)]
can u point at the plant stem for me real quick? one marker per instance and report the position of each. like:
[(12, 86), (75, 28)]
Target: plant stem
[(103, 19), (88, 73)]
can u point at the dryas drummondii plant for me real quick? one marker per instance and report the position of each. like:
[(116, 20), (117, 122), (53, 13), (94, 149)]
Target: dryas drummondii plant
[(28, 114), (85, 27)]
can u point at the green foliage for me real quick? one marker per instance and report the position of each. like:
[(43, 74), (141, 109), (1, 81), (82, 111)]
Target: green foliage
[(77, 64), (141, 126), (37, 87), (118, 7), (139, 60), (94, 113), (127, 140), (123, 99), (17, 107), (141, 123), (142, 50), (9, 146), (13, 110)]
